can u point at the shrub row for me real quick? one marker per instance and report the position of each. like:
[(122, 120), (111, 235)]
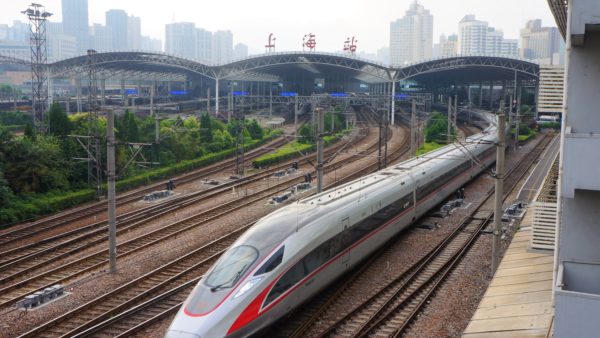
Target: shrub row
[(32, 206), (292, 150), (428, 147), (29, 207)]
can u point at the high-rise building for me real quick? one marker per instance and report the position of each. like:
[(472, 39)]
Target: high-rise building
[(222, 46), (540, 43), (411, 38), (204, 43), (472, 35), (476, 37), (116, 24), (59, 45), (134, 33), (100, 38), (510, 48), (75, 23), (383, 55), (447, 46), (240, 51), (150, 45), (180, 39)]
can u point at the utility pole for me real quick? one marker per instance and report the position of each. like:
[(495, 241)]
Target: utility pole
[(385, 136), (270, 100), (296, 115), (379, 144), (455, 110), (413, 129), (112, 222), (518, 118), (449, 136), (320, 130), (498, 189)]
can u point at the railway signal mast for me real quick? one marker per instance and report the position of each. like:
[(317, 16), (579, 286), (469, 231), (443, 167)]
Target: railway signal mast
[(37, 16)]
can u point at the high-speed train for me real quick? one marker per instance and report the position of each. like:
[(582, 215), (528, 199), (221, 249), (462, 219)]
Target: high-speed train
[(292, 253)]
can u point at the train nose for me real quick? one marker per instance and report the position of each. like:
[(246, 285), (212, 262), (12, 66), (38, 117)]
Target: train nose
[(181, 334)]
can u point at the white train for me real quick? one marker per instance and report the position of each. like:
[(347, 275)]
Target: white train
[(294, 252)]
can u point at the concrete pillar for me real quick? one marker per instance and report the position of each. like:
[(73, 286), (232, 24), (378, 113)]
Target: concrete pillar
[(152, 85), (123, 98), (102, 92), (480, 95), (50, 89), (491, 95), (270, 100), (208, 100), (498, 193), (78, 85), (111, 173), (320, 130), (393, 102), (449, 131), (216, 97)]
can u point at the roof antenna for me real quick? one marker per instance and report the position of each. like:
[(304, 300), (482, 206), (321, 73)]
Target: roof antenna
[(173, 17)]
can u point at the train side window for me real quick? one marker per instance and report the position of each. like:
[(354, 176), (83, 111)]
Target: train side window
[(272, 262), (289, 279)]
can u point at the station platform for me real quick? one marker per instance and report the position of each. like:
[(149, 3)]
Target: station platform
[(518, 302)]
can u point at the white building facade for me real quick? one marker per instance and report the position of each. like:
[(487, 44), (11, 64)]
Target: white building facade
[(411, 37)]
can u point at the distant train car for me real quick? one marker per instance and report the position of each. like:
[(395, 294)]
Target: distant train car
[(290, 255), (548, 118)]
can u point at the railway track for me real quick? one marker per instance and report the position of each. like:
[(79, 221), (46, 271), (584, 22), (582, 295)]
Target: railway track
[(120, 322), (390, 311), (69, 271), (15, 263), (56, 221)]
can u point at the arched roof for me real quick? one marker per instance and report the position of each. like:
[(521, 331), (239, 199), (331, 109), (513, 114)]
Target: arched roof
[(270, 66)]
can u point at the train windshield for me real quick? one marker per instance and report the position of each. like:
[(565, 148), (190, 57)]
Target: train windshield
[(231, 267)]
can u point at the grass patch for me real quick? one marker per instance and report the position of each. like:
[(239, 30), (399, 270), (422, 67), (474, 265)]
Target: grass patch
[(428, 147)]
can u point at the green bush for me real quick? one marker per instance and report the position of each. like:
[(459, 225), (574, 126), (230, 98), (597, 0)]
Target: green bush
[(549, 125), (428, 147), (292, 150), (31, 206)]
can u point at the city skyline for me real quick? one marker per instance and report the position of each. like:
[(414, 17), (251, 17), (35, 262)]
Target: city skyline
[(252, 23)]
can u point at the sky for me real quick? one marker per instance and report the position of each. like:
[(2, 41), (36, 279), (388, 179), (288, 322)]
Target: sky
[(332, 21)]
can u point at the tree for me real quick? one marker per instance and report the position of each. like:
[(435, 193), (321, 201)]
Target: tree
[(58, 121), (437, 128), (5, 192), (29, 132), (128, 130), (36, 165), (307, 133), (255, 130), (206, 132)]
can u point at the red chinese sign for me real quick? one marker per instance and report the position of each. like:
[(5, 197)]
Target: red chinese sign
[(309, 41), (350, 45), (270, 46)]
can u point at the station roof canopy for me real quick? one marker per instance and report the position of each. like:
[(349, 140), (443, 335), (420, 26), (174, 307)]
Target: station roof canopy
[(289, 65)]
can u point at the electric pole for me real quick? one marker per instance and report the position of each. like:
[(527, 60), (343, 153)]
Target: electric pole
[(413, 131), (112, 222), (449, 136), (498, 189), (320, 130)]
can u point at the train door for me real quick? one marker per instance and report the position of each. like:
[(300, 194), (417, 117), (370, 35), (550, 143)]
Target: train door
[(345, 233)]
